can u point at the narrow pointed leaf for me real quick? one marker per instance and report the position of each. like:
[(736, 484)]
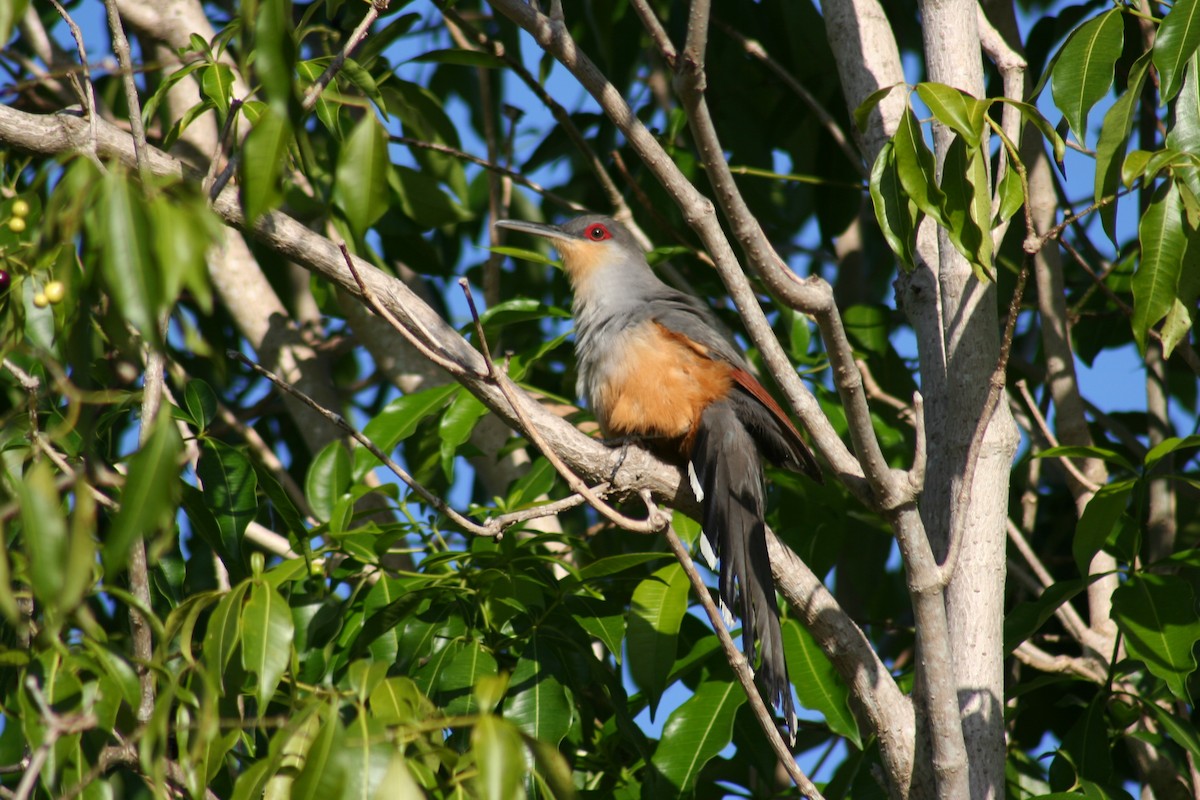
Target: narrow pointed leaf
[(230, 491), (955, 109), (968, 207), (1177, 38), (1114, 139), (265, 151), (915, 167), (897, 215), (1163, 243), (500, 757), (1084, 71), (659, 603), (361, 186), (267, 631), (537, 702), (151, 494)]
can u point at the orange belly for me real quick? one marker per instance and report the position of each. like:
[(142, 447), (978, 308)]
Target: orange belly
[(661, 387)]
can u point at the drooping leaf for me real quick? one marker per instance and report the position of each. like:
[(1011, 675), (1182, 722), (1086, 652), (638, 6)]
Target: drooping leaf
[(455, 428), (229, 491), (398, 420), (897, 215), (1114, 139), (329, 476), (224, 632), (500, 757), (1098, 522), (361, 186), (968, 205), (44, 530), (265, 150), (915, 167), (275, 53), (659, 603), (151, 495), (126, 258), (457, 680), (1174, 44), (267, 631), (1084, 70), (1163, 243)]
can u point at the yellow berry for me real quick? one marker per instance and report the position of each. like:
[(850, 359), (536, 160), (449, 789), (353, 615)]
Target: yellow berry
[(20, 208), (40, 300), (16, 224), (55, 291)]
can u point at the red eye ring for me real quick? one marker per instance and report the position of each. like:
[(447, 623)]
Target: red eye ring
[(598, 232)]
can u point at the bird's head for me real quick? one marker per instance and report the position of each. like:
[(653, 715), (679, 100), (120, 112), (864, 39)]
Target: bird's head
[(589, 245)]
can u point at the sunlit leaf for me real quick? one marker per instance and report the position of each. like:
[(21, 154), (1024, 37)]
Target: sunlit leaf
[(1084, 70), (1163, 243), (696, 732), (1157, 615), (267, 631), (659, 603), (1174, 44)]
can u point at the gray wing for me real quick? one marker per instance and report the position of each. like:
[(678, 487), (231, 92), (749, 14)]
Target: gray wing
[(681, 312)]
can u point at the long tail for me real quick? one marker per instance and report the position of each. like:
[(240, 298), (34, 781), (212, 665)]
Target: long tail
[(726, 464)]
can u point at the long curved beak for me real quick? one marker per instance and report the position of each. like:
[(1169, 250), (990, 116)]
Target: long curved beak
[(551, 232)]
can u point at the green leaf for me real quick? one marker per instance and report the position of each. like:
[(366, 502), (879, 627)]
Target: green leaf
[(457, 680), (1087, 742), (151, 495), (1035, 118), (602, 619), (537, 703), (462, 58), (224, 631), (455, 428), (1081, 451), (500, 757), (1177, 38), (1179, 319), (955, 109), (264, 152), (897, 215), (201, 402), (275, 53), (968, 205), (229, 491), (1012, 194), (1098, 522), (398, 420), (1162, 239), (361, 186), (216, 82), (1168, 446), (658, 605), (817, 683), (422, 199), (267, 631), (10, 12), (44, 530), (536, 482), (398, 701), (863, 112), (126, 260), (329, 477), (696, 732), (1181, 730), (1084, 71), (915, 168), (1184, 135), (1114, 139), (1029, 616), (1157, 615)]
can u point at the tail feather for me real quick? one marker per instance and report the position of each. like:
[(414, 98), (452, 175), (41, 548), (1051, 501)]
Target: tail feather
[(726, 462)]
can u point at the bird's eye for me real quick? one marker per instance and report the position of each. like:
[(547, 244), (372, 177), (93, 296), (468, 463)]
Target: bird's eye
[(598, 233)]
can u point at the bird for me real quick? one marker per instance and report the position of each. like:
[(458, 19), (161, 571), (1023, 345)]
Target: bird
[(656, 369)]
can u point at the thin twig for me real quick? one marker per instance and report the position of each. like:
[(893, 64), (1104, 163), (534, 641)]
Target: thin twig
[(655, 521), (360, 32), (741, 668), (121, 48), (1044, 427), (340, 421), (86, 92), (488, 165)]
